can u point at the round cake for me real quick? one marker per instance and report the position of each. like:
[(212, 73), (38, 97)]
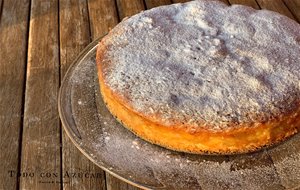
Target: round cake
[(204, 77)]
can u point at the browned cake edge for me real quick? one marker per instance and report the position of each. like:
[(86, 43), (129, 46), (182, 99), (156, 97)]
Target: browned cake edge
[(241, 139)]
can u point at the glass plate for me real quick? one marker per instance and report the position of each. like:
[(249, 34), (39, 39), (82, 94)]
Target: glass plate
[(97, 134)]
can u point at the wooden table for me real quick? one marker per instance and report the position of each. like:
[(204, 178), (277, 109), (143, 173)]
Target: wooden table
[(39, 39)]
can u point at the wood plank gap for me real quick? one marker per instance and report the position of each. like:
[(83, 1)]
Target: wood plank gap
[(59, 62), (294, 15), (23, 98), (145, 4), (105, 177), (89, 20), (1, 8), (226, 2), (117, 10), (59, 83), (258, 4), (61, 157)]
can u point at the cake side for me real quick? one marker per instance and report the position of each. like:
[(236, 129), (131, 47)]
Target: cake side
[(203, 77), (243, 139)]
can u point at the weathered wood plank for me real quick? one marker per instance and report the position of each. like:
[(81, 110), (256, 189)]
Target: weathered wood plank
[(129, 7), (13, 52), (41, 131), (103, 16), (277, 6), (250, 3), (154, 3), (74, 36), (294, 7)]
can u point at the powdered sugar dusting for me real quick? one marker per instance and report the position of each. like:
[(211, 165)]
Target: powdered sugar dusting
[(108, 144), (204, 63)]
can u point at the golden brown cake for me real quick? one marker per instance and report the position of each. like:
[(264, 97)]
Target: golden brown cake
[(204, 77)]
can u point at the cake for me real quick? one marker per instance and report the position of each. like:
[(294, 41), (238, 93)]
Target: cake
[(203, 77)]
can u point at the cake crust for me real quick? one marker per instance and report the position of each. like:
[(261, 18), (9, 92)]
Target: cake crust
[(234, 101)]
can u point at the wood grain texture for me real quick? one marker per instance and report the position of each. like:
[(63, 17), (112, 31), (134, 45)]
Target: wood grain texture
[(154, 3), (74, 36), (250, 3), (13, 51), (294, 7), (225, 1), (277, 6), (41, 131), (129, 7), (103, 16)]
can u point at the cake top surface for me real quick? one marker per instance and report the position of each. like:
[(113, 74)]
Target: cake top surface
[(205, 64)]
